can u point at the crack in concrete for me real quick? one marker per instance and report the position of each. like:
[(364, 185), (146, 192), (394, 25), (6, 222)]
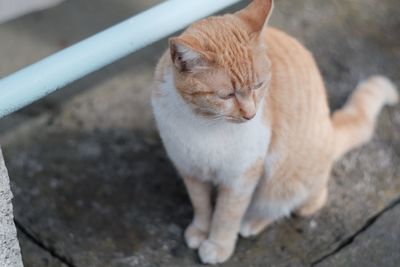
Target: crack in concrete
[(41, 245), (349, 240)]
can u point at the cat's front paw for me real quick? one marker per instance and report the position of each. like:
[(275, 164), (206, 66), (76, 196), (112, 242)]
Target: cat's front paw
[(212, 253), (194, 236)]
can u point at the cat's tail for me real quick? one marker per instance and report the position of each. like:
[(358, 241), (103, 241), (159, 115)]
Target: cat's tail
[(354, 123)]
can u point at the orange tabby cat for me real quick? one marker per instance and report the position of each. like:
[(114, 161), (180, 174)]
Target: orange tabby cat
[(243, 107)]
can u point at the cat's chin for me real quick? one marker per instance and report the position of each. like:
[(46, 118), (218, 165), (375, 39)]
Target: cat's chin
[(236, 121)]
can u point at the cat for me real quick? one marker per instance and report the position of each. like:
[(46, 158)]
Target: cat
[(242, 106)]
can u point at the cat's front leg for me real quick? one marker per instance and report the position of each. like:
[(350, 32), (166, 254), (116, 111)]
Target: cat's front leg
[(200, 196), (232, 202)]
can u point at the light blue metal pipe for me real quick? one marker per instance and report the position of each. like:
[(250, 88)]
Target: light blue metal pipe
[(56, 71)]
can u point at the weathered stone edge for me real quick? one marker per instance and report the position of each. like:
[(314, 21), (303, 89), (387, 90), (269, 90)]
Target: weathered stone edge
[(10, 253)]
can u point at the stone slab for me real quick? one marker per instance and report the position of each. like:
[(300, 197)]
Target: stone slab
[(35, 256), (379, 245)]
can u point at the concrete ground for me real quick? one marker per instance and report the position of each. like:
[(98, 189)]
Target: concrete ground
[(92, 183)]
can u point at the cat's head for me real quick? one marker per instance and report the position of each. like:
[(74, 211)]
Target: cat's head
[(221, 68)]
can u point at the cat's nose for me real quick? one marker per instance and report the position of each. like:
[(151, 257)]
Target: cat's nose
[(249, 117), (247, 107)]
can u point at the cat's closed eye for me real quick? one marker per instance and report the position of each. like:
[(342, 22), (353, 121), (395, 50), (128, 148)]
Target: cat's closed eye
[(258, 86), (226, 97)]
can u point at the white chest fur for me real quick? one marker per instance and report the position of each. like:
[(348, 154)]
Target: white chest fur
[(216, 151)]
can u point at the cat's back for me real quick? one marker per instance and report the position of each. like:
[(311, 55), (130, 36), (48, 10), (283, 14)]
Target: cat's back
[(296, 80), (297, 101), (293, 65)]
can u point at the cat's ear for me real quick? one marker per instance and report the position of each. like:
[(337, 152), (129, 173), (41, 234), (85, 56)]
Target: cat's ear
[(257, 14), (187, 55)]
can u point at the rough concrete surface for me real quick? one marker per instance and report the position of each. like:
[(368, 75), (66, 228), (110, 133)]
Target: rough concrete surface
[(379, 245), (36, 256), (92, 183), (10, 254)]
